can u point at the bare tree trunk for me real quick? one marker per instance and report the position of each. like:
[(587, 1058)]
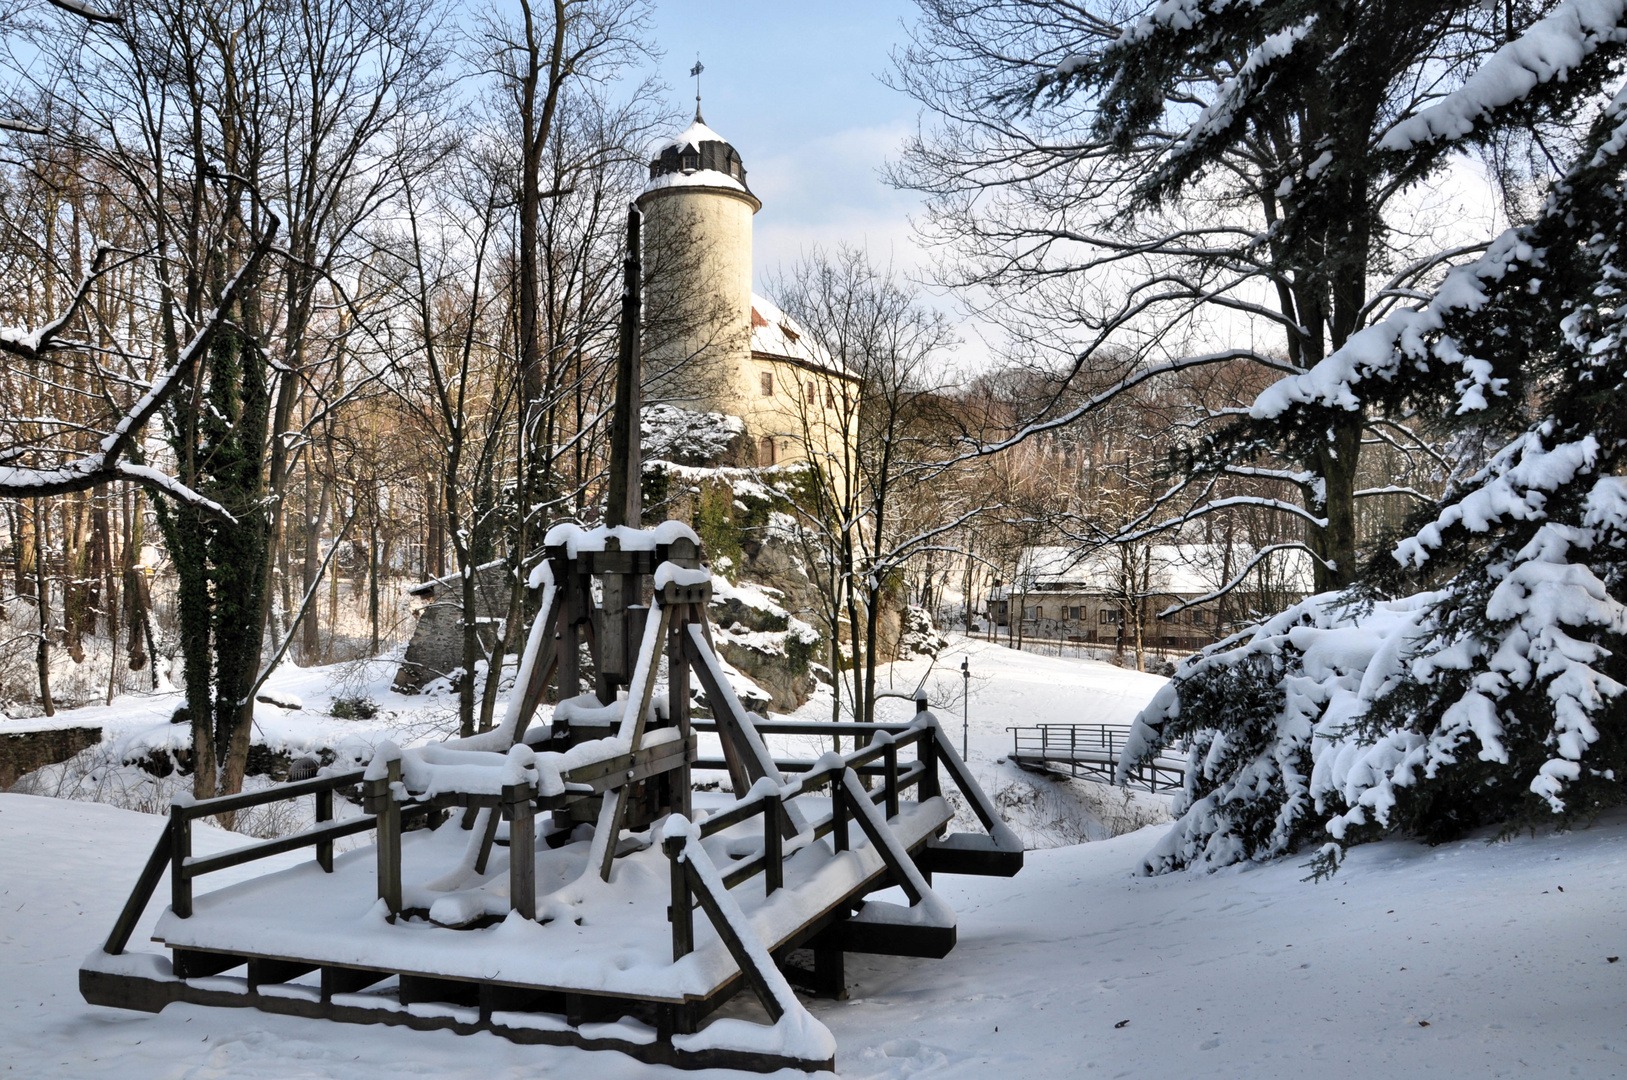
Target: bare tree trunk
[(316, 512), (110, 590), (373, 579), (42, 598)]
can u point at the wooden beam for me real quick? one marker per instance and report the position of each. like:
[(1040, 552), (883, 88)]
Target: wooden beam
[(146, 885), (387, 814), (736, 947), (201, 963), (773, 849), (324, 848), (886, 939), (547, 660), (681, 911), (264, 970), (243, 800), (488, 836), (522, 850), (180, 883), (864, 812)]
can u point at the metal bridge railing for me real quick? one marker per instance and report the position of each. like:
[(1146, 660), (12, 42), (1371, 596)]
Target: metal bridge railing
[(1091, 751)]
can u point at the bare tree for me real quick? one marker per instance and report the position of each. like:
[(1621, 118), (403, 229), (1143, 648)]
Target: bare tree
[(869, 449)]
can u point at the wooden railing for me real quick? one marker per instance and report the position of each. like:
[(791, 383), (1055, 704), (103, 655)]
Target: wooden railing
[(173, 851), (922, 772), (877, 758), (851, 802)]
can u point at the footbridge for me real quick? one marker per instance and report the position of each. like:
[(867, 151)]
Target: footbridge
[(1091, 751)]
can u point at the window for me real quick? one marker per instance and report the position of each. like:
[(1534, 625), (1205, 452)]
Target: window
[(1200, 617), (692, 161), (830, 397), (768, 384), (1108, 615), (813, 393), (1074, 614), (766, 456)]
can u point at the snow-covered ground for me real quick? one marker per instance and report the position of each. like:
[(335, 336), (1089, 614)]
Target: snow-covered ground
[(1466, 960), (1471, 959)]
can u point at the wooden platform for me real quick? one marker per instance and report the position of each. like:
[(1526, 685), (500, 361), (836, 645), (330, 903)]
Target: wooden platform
[(321, 951), (593, 969)]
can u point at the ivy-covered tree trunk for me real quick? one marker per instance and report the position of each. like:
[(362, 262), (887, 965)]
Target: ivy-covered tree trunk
[(237, 429), (222, 565)]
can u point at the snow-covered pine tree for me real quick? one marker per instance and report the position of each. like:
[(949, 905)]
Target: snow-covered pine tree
[(1496, 695)]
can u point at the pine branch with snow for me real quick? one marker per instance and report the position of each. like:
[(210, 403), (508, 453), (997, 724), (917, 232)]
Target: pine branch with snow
[(1492, 688)]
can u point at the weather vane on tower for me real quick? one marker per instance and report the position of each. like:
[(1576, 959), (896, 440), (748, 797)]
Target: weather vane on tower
[(696, 73)]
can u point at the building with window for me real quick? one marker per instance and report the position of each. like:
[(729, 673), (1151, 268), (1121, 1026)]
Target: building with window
[(1100, 596), (711, 344)]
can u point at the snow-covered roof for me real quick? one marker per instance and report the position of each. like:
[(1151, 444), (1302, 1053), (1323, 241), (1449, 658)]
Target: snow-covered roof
[(696, 157), (1175, 569), (693, 135), (775, 334), (695, 178)]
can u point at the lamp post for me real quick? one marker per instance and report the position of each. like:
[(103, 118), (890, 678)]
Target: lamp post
[(965, 698)]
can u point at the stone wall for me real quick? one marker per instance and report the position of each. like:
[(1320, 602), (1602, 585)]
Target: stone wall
[(436, 648), (24, 751)]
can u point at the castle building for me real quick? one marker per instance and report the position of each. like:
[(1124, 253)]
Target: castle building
[(710, 343)]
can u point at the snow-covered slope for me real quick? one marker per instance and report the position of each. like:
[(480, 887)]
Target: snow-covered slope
[(1501, 950)]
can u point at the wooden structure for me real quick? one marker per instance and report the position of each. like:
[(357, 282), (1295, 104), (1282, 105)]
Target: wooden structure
[(429, 928), (1091, 751)]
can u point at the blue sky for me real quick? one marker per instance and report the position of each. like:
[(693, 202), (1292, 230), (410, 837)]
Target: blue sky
[(794, 88)]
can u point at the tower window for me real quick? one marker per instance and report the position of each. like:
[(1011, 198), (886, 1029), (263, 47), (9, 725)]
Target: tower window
[(766, 457), (768, 384), (830, 397), (692, 161), (813, 393)]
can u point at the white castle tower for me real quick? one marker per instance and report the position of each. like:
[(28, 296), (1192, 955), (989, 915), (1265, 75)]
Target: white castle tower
[(710, 344)]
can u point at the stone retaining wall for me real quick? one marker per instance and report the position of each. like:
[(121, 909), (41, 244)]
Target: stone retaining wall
[(24, 751)]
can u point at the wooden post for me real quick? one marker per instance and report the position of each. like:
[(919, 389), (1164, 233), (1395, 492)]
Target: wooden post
[(678, 707), (324, 812), (927, 751), (387, 815), (180, 850), (830, 978), (612, 658), (681, 914), (838, 813), (522, 849), (889, 757), (773, 848), (570, 645), (623, 504)]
